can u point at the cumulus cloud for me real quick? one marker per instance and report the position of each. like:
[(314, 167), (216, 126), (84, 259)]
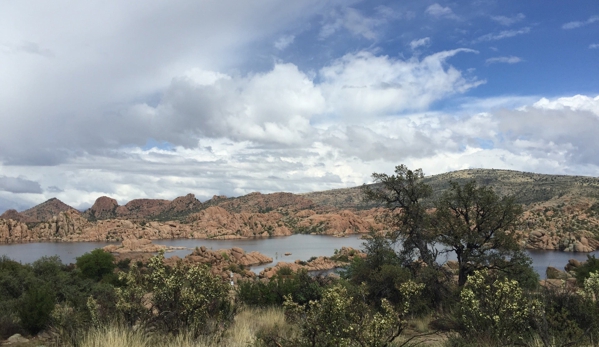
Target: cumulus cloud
[(19, 185), (508, 21), (273, 107), (578, 24), (502, 35), (439, 11), (112, 56), (563, 128), (420, 42), (594, 45), (362, 84), (508, 60), (547, 135), (575, 103)]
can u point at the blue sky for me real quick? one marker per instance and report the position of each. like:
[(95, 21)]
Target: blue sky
[(159, 99)]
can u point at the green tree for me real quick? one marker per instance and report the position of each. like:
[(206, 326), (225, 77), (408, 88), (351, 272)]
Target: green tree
[(96, 265), (402, 193), (479, 227)]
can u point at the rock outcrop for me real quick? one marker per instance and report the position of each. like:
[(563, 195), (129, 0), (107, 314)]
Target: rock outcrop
[(228, 263), (136, 246), (142, 209), (342, 258), (13, 231), (103, 208)]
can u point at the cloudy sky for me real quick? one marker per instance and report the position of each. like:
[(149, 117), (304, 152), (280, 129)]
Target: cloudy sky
[(157, 99)]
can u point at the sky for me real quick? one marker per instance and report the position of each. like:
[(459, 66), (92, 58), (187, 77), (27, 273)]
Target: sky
[(158, 99)]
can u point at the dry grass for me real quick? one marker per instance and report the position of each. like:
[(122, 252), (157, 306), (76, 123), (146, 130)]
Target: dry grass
[(241, 334)]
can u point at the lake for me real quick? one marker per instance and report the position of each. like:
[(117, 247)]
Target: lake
[(301, 247)]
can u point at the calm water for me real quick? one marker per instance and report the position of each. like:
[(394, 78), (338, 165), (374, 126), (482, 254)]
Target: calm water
[(300, 246)]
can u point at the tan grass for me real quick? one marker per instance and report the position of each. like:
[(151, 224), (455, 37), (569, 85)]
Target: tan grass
[(114, 336), (241, 334)]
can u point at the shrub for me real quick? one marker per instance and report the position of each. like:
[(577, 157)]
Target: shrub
[(174, 298), (35, 307), (285, 271), (300, 285), (566, 318), (96, 265), (340, 319), (583, 272), (494, 309)]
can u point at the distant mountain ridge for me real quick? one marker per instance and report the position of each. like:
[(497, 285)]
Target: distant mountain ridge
[(527, 187), (39, 213), (560, 213)]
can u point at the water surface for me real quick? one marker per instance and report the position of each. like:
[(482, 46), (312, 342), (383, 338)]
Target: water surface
[(301, 247)]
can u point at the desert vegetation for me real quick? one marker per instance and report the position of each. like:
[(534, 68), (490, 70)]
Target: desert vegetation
[(398, 294)]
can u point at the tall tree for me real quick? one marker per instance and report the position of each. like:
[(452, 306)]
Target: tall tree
[(403, 194), (479, 227)]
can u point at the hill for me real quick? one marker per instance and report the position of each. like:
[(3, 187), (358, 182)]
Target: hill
[(561, 213), (39, 213), (528, 188)]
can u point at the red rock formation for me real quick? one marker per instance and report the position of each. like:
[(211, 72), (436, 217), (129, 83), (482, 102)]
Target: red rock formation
[(103, 208), (142, 208), (217, 221)]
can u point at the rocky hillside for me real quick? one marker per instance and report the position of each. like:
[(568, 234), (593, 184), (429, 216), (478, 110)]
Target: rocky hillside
[(561, 212), (39, 213), (143, 209), (528, 187)]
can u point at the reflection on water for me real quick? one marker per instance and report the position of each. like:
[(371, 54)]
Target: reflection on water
[(301, 247)]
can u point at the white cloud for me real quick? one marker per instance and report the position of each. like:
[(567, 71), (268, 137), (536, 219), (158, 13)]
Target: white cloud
[(353, 21), (273, 107), (594, 45), (508, 60), (420, 42), (578, 24), (575, 103), (439, 11), (502, 35), (508, 21), (549, 135), (284, 42), (364, 85)]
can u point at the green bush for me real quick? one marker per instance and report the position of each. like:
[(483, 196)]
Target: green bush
[(566, 318), (35, 307), (300, 285), (341, 319), (495, 310), (174, 299), (96, 265), (583, 272)]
